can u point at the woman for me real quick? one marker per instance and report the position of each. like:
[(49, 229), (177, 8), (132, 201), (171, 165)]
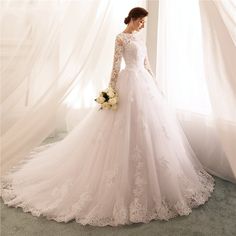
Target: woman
[(116, 167)]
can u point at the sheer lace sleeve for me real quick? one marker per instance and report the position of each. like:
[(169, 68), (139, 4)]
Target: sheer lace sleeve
[(116, 61), (148, 66), (149, 69)]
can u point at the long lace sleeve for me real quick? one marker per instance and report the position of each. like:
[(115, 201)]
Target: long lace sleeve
[(116, 61), (148, 66), (149, 69)]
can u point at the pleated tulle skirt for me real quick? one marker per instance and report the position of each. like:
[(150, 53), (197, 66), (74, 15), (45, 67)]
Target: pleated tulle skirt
[(116, 167)]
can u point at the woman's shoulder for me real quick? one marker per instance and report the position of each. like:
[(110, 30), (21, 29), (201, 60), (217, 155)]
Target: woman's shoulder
[(125, 37), (121, 38)]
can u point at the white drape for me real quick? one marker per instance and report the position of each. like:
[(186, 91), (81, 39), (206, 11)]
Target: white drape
[(219, 40), (201, 91), (56, 56)]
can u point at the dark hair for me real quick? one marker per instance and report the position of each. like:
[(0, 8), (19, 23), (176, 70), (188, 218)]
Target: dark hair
[(135, 13)]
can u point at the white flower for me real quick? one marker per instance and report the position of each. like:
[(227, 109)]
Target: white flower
[(113, 101), (110, 93), (100, 100), (105, 105), (101, 94)]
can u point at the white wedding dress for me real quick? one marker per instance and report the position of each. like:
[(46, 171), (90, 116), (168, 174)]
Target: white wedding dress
[(116, 167)]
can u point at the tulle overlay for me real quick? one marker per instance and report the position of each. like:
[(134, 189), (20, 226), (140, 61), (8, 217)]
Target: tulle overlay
[(116, 167)]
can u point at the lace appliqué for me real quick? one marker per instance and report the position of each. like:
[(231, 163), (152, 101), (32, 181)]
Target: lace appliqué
[(123, 213), (138, 210), (116, 61)]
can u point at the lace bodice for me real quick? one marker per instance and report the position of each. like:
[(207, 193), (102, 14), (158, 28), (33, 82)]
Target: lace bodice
[(134, 52)]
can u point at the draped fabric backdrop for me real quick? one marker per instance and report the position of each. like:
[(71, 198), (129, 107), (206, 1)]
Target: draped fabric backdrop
[(196, 58), (219, 37), (57, 55)]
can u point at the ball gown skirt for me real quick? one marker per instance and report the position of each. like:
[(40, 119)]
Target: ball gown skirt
[(116, 167)]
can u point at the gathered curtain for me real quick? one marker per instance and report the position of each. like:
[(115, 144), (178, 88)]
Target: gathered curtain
[(219, 44), (196, 58)]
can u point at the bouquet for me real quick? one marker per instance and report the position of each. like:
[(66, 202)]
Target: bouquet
[(108, 99)]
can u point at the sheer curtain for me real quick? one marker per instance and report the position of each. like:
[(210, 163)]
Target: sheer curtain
[(55, 57), (195, 57), (219, 37)]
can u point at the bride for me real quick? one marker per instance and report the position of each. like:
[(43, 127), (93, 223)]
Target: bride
[(132, 164)]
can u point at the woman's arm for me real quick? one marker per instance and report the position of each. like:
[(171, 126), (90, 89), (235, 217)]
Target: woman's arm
[(149, 69), (116, 61), (148, 66)]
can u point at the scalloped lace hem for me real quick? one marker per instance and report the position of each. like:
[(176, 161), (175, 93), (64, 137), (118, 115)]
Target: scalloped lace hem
[(135, 213)]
